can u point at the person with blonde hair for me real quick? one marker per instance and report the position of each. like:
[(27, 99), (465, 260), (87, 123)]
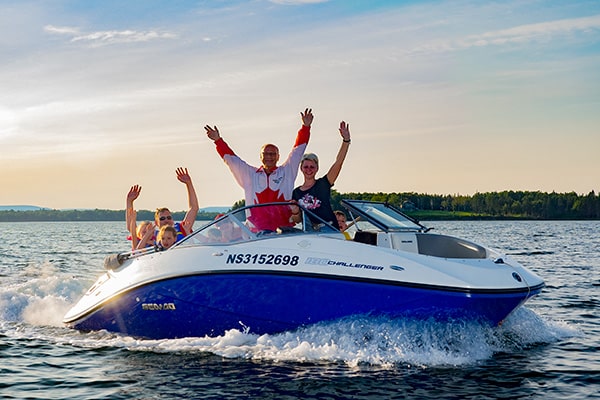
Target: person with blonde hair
[(144, 235), (167, 236), (315, 194)]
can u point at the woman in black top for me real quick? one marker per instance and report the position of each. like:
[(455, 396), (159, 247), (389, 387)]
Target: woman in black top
[(315, 194)]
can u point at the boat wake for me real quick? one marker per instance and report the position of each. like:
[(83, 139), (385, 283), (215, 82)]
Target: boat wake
[(380, 341)]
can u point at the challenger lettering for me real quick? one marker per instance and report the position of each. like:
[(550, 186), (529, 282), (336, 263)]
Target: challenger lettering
[(352, 265), (327, 261)]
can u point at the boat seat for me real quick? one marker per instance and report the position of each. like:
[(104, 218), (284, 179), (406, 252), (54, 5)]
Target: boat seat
[(366, 237)]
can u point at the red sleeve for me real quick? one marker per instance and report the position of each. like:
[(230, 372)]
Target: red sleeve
[(223, 148), (303, 136)]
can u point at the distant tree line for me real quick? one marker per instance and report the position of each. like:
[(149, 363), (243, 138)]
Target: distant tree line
[(88, 215), (506, 204), (501, 205)]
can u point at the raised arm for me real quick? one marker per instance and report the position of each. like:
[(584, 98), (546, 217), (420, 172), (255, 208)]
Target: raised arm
[(222, 147), (134, 193), (131, 220), (190, 217), (304, 132), (335, 169)]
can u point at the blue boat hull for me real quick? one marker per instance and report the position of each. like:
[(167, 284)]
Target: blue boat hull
[(210, 304)]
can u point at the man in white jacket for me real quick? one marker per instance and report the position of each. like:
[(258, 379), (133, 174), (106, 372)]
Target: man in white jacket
[(269, 182)]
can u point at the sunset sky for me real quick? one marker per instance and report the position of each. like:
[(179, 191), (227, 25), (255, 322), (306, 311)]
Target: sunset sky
[(442, 97)]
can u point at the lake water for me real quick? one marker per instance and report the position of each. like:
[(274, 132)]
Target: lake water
[(548, 349)]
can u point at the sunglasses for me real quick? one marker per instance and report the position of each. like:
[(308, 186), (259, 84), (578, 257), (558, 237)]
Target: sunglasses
[(167, 217)]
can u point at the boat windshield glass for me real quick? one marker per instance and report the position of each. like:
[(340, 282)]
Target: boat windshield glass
[(383, 215), (257, 221)]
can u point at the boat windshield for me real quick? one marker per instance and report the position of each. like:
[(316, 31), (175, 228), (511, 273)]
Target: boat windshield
[(382, 215), (257, 221)]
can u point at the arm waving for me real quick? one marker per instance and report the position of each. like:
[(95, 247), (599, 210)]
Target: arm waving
[(130, 217), (190, 217), (222, 147), (304, 132), (335, 169), (130, 213)]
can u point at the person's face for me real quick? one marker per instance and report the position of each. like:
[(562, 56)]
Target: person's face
[(145, 229), (164, 218), (167, 240), (269, 156), (309, 168), (341, 221)]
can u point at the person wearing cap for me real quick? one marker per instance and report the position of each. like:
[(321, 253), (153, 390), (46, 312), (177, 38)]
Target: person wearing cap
[(315, 194), (269, 182)]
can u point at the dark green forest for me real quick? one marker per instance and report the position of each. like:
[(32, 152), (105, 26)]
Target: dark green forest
[(498, 205), (494, 205)]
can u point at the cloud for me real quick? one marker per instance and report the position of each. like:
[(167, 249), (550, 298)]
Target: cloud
[(102, 38), (540, 32), (61, 30), (532, 32)]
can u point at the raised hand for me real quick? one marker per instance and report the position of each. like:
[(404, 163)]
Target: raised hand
[(307, 117), (134, 193), (212, 132), (183, 175), (345, 131)]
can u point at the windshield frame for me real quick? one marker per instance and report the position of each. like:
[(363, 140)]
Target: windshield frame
[(383, 215)]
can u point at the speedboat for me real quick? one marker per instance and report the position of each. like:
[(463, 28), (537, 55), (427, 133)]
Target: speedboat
[(234, 273)]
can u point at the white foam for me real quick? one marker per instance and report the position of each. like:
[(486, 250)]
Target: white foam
[(525, 327), (362, 340), (48, 310), (40, 296)]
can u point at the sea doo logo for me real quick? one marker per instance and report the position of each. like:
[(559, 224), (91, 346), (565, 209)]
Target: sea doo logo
[(158, 306)]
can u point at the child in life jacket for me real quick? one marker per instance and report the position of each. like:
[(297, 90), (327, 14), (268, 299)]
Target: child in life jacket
[(167, 236)]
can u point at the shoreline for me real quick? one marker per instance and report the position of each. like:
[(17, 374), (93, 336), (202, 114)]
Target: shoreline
[(119, 215)]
